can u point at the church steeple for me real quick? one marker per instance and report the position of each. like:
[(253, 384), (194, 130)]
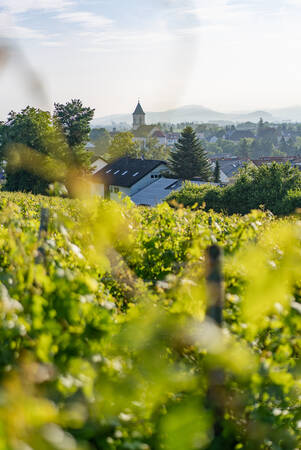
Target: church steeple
[(138, 117)]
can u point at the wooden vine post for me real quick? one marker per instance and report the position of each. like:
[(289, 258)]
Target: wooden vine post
[(44, 221), (215, 297), (215, 284)]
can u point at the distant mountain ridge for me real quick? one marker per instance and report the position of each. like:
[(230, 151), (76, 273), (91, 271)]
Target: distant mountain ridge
[(198, 113)]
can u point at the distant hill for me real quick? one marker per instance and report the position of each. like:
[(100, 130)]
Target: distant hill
[(192, 113), (292, 113)]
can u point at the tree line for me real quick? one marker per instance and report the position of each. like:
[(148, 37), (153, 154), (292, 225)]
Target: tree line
[(252, 140)]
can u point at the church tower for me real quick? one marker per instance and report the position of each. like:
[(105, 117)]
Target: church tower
[(138, 117)]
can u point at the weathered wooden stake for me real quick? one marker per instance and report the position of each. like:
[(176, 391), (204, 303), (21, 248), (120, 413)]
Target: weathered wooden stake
[(45, 213), (215, 398), (215, 284), (44, 222)]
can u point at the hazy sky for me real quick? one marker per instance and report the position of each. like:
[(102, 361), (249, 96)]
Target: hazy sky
[(223, 54)]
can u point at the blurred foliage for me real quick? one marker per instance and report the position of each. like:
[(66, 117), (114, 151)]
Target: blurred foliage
[(105, 346)]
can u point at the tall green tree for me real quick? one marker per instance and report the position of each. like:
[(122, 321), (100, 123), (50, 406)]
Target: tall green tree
[(154, 150), (29, 143), (189, 159), (101, 139), (283, 147), (217, 173), (244, 148), (74, 119), (260, 128), (123, 144)]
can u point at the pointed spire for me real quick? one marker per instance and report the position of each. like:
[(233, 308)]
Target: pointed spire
[(138, 109)]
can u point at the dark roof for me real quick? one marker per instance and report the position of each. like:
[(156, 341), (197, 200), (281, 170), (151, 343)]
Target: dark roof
[(158, 134), (270, 159), (138, 110), (126, 171)]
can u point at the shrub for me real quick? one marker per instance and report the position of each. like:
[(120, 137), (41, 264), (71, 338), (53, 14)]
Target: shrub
[(275, 187), (192, 194), (291, 202)]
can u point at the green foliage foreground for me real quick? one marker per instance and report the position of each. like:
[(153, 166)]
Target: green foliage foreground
[(103, 339)]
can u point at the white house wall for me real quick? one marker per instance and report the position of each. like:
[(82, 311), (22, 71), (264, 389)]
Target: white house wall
[(123, 192), (148, 179)]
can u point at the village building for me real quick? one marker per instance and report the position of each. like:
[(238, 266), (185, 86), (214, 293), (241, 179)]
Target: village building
[(126, 176), (144, 133), (229, 167), (157, 192), (172, 139), (138, 117)]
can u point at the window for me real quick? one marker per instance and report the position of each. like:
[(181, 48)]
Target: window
[(125, 172), (108, 171), (116, 172), (135, 174), (116, 189)]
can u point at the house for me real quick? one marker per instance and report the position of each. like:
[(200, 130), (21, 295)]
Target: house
[(157, 192), (172, 138), (200, 136), (160, 136), (278, 159), (230, 166), (126, 176), (154, 193), (213, 140), (146, 132), (224, 179)]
